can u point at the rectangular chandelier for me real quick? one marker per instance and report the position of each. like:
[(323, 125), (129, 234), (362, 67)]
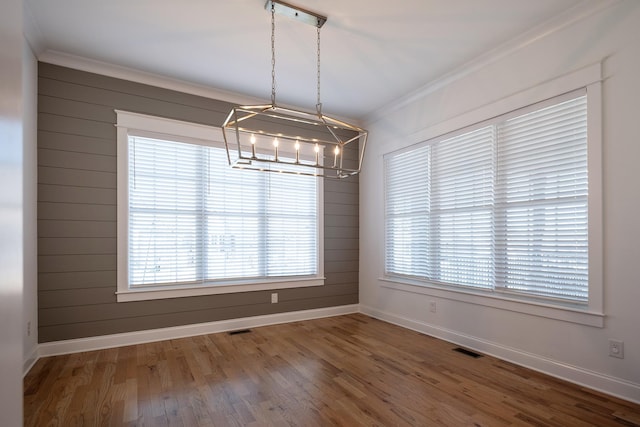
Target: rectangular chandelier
[(276, 139), (271, 138)]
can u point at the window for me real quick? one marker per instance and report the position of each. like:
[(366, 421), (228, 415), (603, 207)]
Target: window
[(190, 225), (500, 207)]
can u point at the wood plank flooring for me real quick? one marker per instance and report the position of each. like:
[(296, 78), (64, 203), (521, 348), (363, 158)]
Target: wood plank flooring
[(341, 371)]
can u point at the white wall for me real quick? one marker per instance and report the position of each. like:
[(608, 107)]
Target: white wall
[(570, 350), (30, 193), (11, 42)]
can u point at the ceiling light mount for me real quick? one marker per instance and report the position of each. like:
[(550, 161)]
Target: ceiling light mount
[(295, 12), (275, 139)]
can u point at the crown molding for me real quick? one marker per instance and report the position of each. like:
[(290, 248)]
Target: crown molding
[(558, 23), (125, 73)]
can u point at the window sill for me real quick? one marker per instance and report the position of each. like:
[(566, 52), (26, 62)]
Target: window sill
[(568, 313), (164, 292)]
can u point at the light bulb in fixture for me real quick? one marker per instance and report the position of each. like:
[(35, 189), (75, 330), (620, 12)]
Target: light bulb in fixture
[(297, 147), (275, 144), (253, 146)]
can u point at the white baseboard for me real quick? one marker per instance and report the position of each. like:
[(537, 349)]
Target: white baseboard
[(139, 337), (30, 360), (618, 387)]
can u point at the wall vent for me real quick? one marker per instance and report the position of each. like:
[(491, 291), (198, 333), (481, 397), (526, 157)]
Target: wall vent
[(240, 331), (467, 352)]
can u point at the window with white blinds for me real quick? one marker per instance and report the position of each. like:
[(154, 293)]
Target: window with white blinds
[(194, 222), (192, 218), (500, 207)]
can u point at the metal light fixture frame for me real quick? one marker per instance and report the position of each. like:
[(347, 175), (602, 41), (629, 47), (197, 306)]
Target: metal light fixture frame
[(319, 148)]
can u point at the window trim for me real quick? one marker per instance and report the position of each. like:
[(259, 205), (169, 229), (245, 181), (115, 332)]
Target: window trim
[(152, 126), (592, 313)]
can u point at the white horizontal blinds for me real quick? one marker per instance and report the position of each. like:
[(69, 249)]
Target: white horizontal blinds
[(165, 205), (462, 175), (542, 210), (234, 219), (291, 215), (193, 219), (406, 185)]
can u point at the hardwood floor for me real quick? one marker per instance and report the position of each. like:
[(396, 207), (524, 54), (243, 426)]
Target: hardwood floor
[(346, 371)]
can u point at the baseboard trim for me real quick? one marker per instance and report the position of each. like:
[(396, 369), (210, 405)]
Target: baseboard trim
[(614, 386), (30, 360), (140, 337)]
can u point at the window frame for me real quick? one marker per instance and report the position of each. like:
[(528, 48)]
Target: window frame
[(591, 313), (181, 131)]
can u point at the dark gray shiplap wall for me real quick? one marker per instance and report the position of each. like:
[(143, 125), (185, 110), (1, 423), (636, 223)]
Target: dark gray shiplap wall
[(77, 215)]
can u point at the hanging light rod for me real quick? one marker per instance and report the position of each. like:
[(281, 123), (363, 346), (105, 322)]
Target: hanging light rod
[(296, 12)]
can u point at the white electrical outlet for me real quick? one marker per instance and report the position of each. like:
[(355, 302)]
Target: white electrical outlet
[(274, 298), (616, 349), (432, 306)]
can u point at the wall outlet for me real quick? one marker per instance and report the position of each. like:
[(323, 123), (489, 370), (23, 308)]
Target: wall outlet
[(616, 349), (432, 306), (274, 298), (28, 329)]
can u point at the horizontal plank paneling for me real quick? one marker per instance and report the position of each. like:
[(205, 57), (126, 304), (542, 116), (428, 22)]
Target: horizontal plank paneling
[(76, 280), (333, 244), (71, 108), (76, 211), (90, 312), (341, 255), (75, 126), (76, 297), (343, 198), (133, 103), (76, 246), (340, 232), (333, 208), (74, 194), (76, 143), (341, 221), (341, 186), (341, 278), (74, 160), (77, 226), (54, 72), (75, 177), (62, 263), (52, 228), (104, 295), (111, 326), (317, 292), (341, 266)]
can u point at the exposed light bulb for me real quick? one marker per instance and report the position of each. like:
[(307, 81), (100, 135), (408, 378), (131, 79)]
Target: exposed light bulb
[(275, 144), (253, 146)]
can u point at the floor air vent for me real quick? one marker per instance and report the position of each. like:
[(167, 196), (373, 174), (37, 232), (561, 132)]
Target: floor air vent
[(240, 331), (467, 352)]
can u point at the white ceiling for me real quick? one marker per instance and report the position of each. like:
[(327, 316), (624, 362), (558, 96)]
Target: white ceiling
[(373, 52)]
